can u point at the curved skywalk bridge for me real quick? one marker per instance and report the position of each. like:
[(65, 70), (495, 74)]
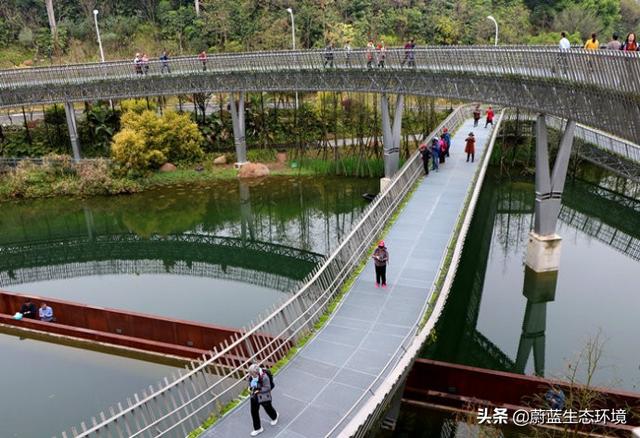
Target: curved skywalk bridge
[(367, 336), (593, 87)]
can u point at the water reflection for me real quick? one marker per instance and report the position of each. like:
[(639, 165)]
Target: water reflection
[(201, 240), (539, 289), (557, 313)]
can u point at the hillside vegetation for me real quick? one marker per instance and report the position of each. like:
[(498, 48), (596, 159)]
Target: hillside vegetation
[(150, 26)]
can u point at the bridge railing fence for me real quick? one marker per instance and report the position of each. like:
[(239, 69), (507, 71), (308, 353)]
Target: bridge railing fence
[(604, 68), (600, 139), (180, 404)]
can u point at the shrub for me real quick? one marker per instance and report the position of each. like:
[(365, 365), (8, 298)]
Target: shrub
[(147, 140), (131, 154)]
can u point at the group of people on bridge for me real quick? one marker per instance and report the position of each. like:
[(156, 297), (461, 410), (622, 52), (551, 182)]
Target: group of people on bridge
[(438, 150), (629, 45)]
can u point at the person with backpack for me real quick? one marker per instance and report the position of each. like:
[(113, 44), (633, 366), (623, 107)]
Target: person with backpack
[(470, 147), (443, 149), (435, 152), (260, 387), (490, 116), (426, 156), (476, 116), (380, 259), (447, 140)]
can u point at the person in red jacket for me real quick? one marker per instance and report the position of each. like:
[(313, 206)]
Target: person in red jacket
[(470, 147), (490, 115)]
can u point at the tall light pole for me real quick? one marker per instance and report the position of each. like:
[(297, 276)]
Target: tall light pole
[(95, 20), (490, 17), (293, 40)]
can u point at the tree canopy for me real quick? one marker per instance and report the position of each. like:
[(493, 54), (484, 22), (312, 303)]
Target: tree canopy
[(150, 26)]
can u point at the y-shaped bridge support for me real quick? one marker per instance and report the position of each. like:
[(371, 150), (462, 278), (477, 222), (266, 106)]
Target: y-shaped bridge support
[(391, 131), (237, 118), (73, 130), (543, 251)]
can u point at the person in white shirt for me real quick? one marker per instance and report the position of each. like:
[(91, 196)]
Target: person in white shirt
[(564, 42), (45, 313)]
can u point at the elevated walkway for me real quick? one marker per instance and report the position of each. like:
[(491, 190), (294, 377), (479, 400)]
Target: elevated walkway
[(331, 377)]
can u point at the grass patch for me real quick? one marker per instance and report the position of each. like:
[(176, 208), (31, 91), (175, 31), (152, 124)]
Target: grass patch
[(322, 321)]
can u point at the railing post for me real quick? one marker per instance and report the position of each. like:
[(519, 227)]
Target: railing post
[(73, 130)]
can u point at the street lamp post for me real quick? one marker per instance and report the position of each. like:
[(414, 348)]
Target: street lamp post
[(293, 40), (490, 17), (95, 20)]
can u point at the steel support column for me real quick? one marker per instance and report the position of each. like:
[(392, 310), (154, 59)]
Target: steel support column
[(237, 118), (543, 248), (549, 186), (391, 134), (73, 130)]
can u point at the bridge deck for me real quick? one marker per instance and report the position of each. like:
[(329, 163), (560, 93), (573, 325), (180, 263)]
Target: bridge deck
[(331, 373)]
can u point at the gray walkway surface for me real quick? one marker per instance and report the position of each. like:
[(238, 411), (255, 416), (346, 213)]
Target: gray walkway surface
[(324, 380)]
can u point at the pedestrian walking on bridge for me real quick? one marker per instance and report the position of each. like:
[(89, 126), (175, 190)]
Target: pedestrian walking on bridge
[(260, 390), (435, 153), (476, 116), (328, 56), (426, 156), (380, 260), (490, 116), (470, 147)]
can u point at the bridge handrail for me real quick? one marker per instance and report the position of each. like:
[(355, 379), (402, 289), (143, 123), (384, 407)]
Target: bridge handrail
[(605, 68), (288, 323), (362, 422), (603, 140)]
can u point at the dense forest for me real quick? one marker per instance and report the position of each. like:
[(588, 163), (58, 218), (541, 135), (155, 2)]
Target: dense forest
[(151, 26)]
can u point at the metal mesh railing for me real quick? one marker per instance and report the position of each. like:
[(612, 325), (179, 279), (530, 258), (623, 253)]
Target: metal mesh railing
[(609, 69), (399, 365), (183, 402), (602, 140)]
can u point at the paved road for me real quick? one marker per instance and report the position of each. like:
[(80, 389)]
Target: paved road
[(318, 387)]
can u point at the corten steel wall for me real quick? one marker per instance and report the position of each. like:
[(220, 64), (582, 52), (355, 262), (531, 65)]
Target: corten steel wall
[(464, 387), (128, 329), (500, 387), (597, 89)]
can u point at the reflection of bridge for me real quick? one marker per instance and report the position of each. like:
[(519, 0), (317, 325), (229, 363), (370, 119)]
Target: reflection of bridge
[(591, 209), (264, 264)]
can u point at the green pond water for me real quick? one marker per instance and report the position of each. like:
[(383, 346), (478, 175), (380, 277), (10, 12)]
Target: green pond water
[(501, 315), (219, 253)]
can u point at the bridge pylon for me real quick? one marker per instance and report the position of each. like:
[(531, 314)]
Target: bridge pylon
[(391, 135), (543, 249), (238, 121), (73, 130)]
